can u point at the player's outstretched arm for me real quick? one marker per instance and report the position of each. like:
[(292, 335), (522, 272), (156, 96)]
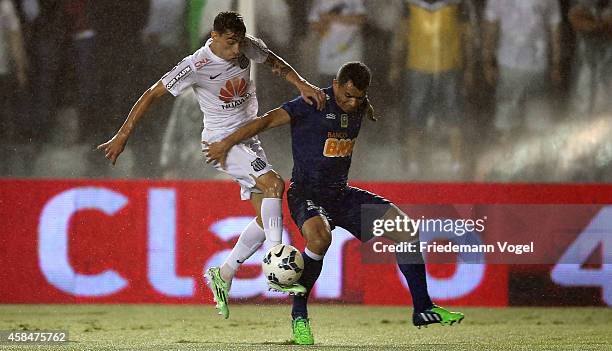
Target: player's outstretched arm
[(310, 93), (217, 152), (114, 147)]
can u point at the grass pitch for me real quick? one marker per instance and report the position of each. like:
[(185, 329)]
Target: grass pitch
[(336, 327)]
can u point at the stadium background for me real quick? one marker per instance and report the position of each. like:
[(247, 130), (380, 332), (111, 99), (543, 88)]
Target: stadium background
[(143, 232)]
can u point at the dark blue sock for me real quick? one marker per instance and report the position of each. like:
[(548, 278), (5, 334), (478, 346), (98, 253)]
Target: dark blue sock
[(312, 270), (414, 272)]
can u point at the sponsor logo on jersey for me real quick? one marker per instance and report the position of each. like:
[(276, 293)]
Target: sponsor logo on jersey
[(258, 164), (344, 120), (233, 89), (234, 93), (203, 62), (182, 74), (337, 135), (243, 62), (338, 147), (330, 116), (215, 77)]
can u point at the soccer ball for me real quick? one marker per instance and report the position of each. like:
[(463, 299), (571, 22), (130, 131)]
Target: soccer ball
[(283, 264)]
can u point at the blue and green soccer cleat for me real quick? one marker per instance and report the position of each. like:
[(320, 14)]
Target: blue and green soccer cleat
[(436, 314), (220, 290), (302, 335)]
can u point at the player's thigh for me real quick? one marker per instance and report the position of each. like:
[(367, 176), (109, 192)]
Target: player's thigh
[(245, 163), (311, 218), (357, 209)]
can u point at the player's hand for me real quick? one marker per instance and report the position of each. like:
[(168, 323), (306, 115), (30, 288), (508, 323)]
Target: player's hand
[(312, 95), (114, 147), (216, 152)]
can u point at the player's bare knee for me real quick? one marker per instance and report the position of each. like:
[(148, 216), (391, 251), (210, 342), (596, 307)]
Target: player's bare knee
[(319, 240), (317, 232), (271, 184)]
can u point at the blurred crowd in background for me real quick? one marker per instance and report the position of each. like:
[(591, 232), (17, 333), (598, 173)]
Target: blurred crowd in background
[(465, 90)]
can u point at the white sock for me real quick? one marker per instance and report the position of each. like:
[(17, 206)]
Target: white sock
[(272, 219), (249, 241), (313, 255)]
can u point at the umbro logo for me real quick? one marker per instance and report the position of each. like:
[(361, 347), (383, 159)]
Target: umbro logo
[(213, 77), (330, 116)]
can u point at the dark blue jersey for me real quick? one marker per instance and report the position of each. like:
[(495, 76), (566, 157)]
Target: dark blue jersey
[(322, 143)]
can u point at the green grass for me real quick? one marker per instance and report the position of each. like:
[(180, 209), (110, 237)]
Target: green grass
[(336, 327)]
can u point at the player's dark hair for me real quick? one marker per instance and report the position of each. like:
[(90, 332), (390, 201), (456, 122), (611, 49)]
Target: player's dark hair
[(357, 72), (229, 21)]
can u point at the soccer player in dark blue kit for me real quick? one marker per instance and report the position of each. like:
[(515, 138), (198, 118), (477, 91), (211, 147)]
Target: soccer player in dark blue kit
[(320, 198)]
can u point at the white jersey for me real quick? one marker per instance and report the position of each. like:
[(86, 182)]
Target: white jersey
[(223, 88)]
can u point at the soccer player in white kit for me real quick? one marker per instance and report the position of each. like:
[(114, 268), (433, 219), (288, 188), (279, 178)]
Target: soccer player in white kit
[(219, 73)]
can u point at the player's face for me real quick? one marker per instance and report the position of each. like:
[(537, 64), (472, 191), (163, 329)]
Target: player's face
[(348, 97), (226, 45)]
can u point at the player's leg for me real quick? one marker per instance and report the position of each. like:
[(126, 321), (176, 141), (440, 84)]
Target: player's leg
[(249, 241), (220, 278), (412, 266), (269, 206), (268, 224), (317, 233), (316, 229), (272, 239), (359, 205), (245, 163)]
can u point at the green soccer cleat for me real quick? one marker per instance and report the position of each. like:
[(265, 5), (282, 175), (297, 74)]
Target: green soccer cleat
[(302, 335), (293, 289), (220, 290), (436, 314)]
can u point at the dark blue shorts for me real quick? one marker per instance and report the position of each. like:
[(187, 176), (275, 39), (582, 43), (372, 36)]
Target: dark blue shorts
[(343, 208)]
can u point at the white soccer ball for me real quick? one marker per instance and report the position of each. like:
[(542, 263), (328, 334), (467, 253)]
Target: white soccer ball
[(283, 264)]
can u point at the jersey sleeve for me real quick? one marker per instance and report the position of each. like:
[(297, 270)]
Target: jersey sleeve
[(255, 49), (297, 108), (180, 77)]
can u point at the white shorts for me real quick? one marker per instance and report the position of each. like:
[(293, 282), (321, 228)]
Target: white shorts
[(244, 162)]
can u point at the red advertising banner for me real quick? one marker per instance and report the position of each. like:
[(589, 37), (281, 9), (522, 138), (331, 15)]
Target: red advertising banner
[(89, 241)]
